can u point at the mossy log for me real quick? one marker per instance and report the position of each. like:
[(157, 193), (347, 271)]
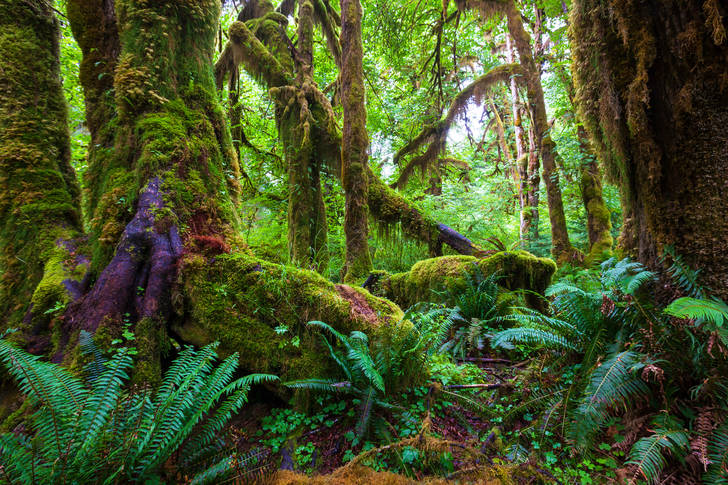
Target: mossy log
[(260, 310), (430, 278)]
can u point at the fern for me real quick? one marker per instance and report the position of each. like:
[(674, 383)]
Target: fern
[(713, 311), (374, 378), (717, 473), (685, 277), (99, 432), (648, 454), (612, 384)]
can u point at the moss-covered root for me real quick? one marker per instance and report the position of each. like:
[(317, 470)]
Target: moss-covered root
[(428, 278), (260, 310), (38, 191)]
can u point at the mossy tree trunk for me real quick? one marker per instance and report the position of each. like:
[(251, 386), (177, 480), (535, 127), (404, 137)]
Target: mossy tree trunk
[(522, 167), (307, 228), (560, 246), (169, 177), (355, 144), (598, 218), (652, 88), (39, 197)]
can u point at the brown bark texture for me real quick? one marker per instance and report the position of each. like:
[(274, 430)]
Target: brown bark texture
[(652, 89)]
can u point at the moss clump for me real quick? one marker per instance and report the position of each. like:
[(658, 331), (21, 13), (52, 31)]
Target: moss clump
[(430, 277), (260, 310)]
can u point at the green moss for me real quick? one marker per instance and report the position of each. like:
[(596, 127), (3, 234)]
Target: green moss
[(430, 277), (390, 209), (39, 197), (151, 344), (260, 310)]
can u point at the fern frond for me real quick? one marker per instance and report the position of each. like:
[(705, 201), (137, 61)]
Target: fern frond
[(717, 472), (714, 311), (613, 383), (531, 336), (647, 454), (324, 385), (683, 275)]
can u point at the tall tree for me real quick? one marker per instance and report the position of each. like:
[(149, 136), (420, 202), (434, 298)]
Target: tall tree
[(354, 144), (527, 175), (561, 247), (652, 88), (163, 255)]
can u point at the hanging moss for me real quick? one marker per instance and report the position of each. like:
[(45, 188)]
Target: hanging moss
[(429, 278), (260, 309)]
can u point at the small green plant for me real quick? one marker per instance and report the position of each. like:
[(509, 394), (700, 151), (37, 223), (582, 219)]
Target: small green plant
[(479, 309), (374, 380)]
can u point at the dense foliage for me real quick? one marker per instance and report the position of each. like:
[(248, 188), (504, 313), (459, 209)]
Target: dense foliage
[(440, 224)]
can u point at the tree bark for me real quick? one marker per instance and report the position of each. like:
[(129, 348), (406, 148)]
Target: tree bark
[(355, 144), (656, 109), (39, 197)]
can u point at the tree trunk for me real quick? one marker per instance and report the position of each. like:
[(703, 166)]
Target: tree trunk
[(560, 247), (524, 190), (598, 218), (354, 144), (39, 197), (657, 108)]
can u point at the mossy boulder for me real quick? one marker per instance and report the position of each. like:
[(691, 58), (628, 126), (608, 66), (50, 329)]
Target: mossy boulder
[(260, 310), (430, 277)]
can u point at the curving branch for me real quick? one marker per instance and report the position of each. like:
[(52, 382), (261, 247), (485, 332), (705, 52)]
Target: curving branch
[(436, 134)]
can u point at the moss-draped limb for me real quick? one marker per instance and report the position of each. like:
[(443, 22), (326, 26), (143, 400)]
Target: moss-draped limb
[(260, 310), (435, 135), (429, 278), (385, 205), (39, 196), (355, 143), (652, 90)]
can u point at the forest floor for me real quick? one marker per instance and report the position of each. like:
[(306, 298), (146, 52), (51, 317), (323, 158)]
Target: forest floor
[(319, 443)]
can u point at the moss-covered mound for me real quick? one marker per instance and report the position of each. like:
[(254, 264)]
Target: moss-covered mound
[(430, 277), (260, 310)]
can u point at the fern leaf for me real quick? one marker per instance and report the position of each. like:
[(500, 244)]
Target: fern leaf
[(613, 383), (647, 454), (713, 311)]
